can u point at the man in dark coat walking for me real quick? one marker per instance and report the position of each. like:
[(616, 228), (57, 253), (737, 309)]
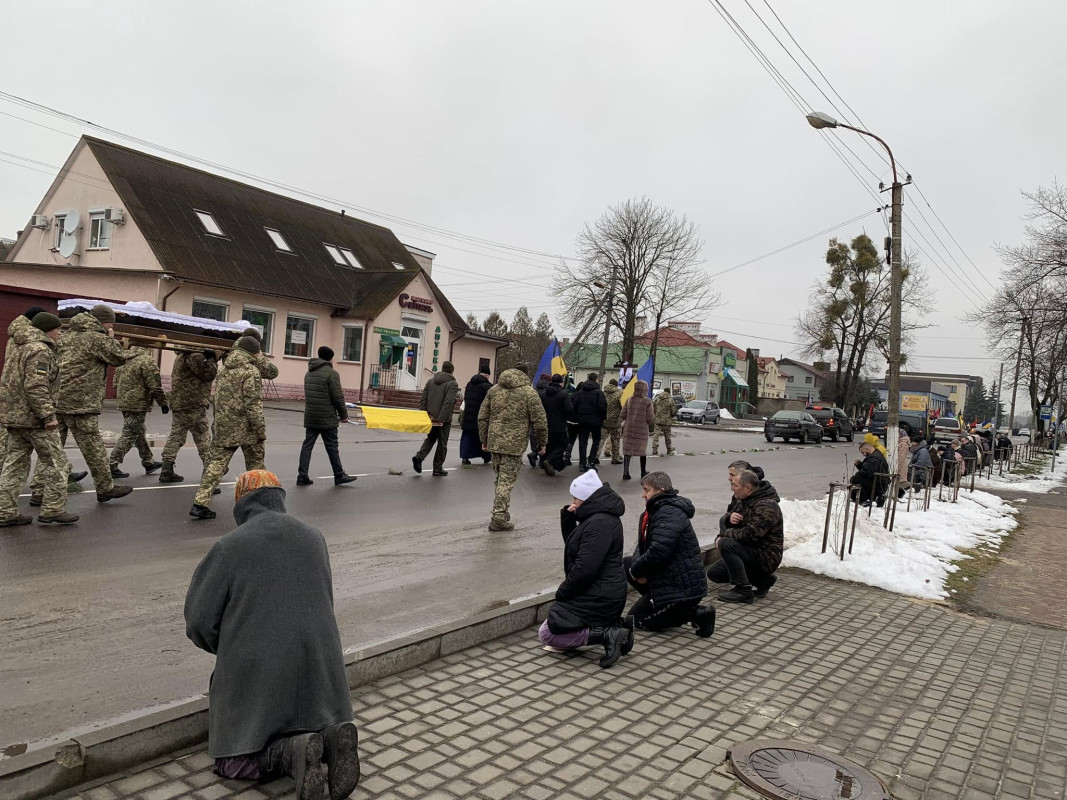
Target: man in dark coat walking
[(558, 409), (751, 544), (589, 410), (590, 600), (261, 602), (324, 410), (667, 567), (473, 395), (439, 401)]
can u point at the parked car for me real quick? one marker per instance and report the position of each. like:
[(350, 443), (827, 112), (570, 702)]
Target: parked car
[(1024, 432), (699, 411), (834, 421), (946, 429), (799, 425), (915, 424)]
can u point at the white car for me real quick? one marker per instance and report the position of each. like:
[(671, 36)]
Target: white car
[(700, 412), (1024, 432)]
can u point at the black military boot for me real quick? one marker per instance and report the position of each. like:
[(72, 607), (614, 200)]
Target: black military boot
[(168, 475), (151, 466), (299, 757), (201, 512), (75, 477), (612, 639), (116, 472), (114, 493), (340, 743)]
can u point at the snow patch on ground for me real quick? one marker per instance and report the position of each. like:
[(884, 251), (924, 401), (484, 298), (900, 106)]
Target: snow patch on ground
[(914, 559), (724, 414), (1042, 483)]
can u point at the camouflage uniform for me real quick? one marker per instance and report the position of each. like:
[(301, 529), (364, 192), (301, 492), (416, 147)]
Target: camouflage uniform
[(611, 430), (190, 396), (239, 421), (137, 385), (27, 403), (663, 407), (85, 351), (267, 370), (509, 411)]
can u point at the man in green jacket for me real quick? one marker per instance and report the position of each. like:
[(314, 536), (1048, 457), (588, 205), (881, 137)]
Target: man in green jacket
[(324, 410), (137, 386), (439, 401), (190, 395), (664, 409)]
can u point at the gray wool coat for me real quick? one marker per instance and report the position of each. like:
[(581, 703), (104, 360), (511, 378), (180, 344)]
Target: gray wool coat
[(261, 601)]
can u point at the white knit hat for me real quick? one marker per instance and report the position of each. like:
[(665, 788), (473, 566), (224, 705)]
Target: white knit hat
[(584, 485)]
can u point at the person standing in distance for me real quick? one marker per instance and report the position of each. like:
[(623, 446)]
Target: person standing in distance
[(664, 410), (590, 409), (439, 401), (324, 410), (190, 395), (470, 446), (510, 410), (28, 413), (610, 431), (137, 385)]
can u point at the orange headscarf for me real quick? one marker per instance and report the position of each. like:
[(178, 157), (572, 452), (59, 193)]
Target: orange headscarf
[(252, 480)]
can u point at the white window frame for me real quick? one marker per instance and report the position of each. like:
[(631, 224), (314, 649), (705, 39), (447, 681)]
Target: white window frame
[(272, 313), (214, 301), (350, 257), (59, 221), (398, 266), (314, 320), (363, 332), (208, 222), (97, 216), (335, 254), (278, 240)]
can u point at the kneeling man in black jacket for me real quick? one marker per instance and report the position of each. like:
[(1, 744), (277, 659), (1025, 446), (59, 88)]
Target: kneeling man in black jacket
[(666, 568), (589, 602)]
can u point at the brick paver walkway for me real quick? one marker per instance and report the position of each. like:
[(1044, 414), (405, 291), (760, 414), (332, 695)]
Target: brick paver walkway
[(936, 703), (1030, 582)]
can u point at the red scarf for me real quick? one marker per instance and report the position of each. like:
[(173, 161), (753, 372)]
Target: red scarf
[(641, 527)]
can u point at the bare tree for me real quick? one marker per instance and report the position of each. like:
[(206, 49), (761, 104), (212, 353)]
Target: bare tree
[(632, 241), (677, 288)]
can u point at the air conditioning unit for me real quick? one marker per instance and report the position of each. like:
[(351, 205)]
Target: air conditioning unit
[(40, 221), (115, 215)]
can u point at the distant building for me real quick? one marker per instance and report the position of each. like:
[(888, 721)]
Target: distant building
[(919, 394), (957, 386), (802, 381), (772, 381)]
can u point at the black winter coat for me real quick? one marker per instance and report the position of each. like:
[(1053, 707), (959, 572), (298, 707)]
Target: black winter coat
[(473, 395), (594, 591), (324, 402), (589, 405), (668, 553), (557, 405)]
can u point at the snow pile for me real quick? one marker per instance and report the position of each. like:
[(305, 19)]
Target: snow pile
[(915, 559), (145, 310), (1044, 482), (724, 414)]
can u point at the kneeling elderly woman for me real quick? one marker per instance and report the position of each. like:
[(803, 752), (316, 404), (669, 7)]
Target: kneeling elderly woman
[(261, 602), (590, 601)]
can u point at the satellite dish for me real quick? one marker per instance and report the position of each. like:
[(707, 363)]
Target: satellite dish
[(67, 242), (72, 221)]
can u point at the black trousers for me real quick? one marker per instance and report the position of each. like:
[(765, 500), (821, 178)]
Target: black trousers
[(438, 435), (557, 443), (740, 564), (585, 432), (329, 441), (648, 617)]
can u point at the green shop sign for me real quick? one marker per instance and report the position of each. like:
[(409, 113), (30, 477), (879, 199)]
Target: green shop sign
[(389, 331)]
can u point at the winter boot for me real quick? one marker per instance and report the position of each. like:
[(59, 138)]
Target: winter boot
[(18, 519), (626, 468), (416, 463), (299, 757), (116, 472), (343, 478), (168, 475), (627, 624), (114, 493), (644, 466), (74, 477), (201, 512), (151, 467), (62, 518), (339, 751), (501, 525), (303, 480), (612, 639), (36, 499), (532, 458), (465, 462), (439, 472), (765, 586), (742, 593), (548, 468), (704, 621)]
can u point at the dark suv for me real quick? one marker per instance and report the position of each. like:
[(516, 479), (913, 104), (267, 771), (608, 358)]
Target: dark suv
[(915, 425), (834, 422)]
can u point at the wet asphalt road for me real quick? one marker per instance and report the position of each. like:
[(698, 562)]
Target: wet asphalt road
[(91, 615)]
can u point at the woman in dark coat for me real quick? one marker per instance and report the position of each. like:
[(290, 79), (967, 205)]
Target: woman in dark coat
[(667, 567), (261, 602), (473, 395), (590, 601), (637, 418)]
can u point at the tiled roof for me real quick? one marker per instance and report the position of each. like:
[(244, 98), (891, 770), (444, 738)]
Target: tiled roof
[(671, 337), (162, 196)]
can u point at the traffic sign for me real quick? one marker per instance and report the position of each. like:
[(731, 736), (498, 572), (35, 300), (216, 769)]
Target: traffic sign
[(1046, 412)]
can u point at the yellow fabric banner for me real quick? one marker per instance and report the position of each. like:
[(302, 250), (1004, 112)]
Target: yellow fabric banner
[(404, 420)]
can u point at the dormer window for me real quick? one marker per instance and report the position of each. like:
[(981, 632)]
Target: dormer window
[(335, 254), (350, 257), (397, 266), (342, 256), (209, 223), (278, 239)]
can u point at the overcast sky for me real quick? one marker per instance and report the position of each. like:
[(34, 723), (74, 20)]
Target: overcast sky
[(516, 122)]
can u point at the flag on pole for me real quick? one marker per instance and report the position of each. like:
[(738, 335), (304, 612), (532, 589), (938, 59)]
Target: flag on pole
[(644, 373), (551, 362)]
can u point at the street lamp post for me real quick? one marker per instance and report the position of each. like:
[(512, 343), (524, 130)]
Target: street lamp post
[(819, 121)]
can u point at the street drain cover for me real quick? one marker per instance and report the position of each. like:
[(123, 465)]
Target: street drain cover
[(782, 768)]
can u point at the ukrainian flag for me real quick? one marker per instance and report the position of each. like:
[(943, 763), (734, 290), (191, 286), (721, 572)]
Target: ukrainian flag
[(551, 362), (644, 373), (404, 420)]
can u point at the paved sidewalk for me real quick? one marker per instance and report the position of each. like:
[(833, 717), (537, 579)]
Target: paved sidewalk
[(936, 703)]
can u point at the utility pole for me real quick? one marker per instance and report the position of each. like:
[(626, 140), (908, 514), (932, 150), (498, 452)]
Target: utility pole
[(1018, 368), (607, 322), (998, 392)]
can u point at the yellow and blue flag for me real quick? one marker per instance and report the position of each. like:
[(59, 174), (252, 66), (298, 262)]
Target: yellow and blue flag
[(644, 373), (551, 361), (404, 420)]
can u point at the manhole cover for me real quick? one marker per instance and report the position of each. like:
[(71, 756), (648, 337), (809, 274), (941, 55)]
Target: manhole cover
[(782, 768)]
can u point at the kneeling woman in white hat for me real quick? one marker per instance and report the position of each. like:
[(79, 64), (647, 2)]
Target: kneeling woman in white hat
[(590, 601)]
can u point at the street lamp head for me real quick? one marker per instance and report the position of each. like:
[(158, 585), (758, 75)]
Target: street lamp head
[(819, 120)]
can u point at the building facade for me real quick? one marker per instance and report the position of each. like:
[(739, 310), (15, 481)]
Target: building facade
[(802, 381), (772, 381), (123, 225)]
